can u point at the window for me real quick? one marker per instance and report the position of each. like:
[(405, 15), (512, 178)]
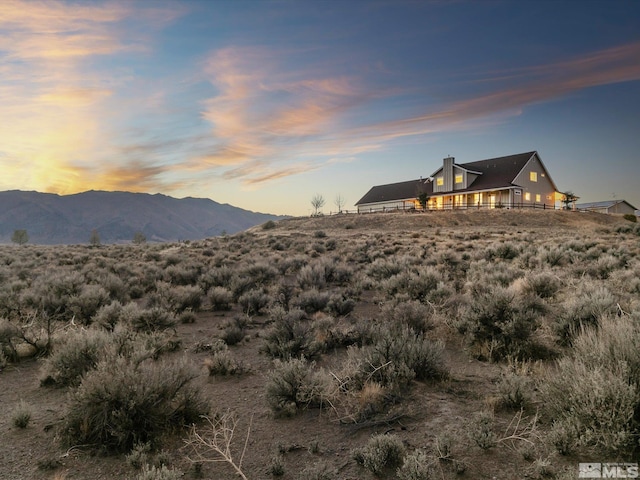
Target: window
[(439, 181), (527, 196), (459, 178), (533, 176), (538, 198)]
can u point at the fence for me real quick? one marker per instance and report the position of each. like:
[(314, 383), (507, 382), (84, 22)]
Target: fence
[(478, 206)]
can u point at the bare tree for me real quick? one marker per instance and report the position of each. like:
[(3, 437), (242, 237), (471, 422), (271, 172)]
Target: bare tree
[(339, 202), (317, 202)]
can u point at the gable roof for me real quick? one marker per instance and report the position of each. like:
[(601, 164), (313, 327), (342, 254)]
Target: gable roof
[(497, 172), (396, 191), (603, 204)]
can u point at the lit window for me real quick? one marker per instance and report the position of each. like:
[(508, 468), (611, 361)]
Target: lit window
[(538, 198), (527, 196), (533, 176), (459, 178), (439, 181)]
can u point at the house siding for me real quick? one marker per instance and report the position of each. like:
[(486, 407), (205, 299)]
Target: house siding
[(542, 187)]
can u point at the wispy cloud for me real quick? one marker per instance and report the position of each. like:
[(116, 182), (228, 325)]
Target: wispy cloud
[(54, 103)]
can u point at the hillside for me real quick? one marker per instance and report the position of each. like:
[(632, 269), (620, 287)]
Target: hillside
[(116, 216), (396, 346)]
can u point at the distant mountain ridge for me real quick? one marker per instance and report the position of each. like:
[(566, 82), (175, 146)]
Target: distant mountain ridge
[(51, 219)]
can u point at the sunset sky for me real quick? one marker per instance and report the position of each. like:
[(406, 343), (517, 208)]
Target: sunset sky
[(263, 104)]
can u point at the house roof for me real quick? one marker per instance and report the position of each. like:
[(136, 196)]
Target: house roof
[(494, 173), (602, 204), (396, 191)]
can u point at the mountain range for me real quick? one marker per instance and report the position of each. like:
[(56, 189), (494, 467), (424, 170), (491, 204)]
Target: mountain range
[(52, 219)]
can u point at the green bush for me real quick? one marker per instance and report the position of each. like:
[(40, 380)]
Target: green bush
[(381, 452), (122, 403), (631, 217)]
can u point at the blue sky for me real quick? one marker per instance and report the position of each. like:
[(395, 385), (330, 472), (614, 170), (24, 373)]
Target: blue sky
[(264, 104)]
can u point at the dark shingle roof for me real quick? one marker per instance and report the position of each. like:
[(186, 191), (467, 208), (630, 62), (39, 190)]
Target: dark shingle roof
[(396, 191), (496, 172)]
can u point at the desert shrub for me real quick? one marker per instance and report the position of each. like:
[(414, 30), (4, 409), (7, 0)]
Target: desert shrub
[(9, 333), (240, 285), (290, 335), (504, 251), (21, 415), (418, 285), (108, 316), (220, 298), (603, 266), (484, 276), (396, 356), (481, 430), (557, 256), (159, 473), (184, 297), (216, 277), (502, 323), (234, 331), (269, 225), (631, 217), (122, 402), (187, 317), (223, 363), (312, 301), (80, 352), (184, 274), (319, 234), (253, 302), (312, 276), (543, 284), (318, 471), (383, 268), (138, 457), (514, 390), (290, 386), (150, 320), (411, 313), (261, 273), (381, 452), (583, 310), (417, 466), (87, 302), (593, 395), (52, 294), (340, 306)]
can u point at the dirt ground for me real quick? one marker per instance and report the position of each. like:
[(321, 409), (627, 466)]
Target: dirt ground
[(312, 436)]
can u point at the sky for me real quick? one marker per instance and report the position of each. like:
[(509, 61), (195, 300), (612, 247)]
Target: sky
[(264, 104)]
